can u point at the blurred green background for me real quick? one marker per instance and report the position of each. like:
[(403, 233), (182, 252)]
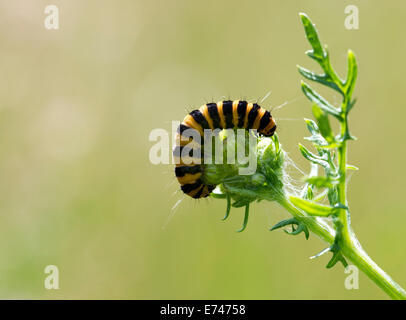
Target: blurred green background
[(77, 189)]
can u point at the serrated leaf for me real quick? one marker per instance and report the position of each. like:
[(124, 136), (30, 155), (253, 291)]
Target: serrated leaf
[(312, 36), (320, 101), (313, 208)]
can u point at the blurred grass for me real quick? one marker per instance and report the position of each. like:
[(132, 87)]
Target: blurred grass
[(76, 107)]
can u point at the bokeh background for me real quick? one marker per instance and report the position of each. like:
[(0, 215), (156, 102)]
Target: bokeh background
[(77, 189)]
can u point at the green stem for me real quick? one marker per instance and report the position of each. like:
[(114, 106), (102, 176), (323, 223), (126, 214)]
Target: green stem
[(342, 238), (355, 253), (351, 249)]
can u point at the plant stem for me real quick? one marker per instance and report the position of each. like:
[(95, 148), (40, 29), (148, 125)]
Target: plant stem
[(354, 252), (351, 249), (342, 239)]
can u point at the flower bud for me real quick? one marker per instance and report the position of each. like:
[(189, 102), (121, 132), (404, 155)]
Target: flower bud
[(235, 179)]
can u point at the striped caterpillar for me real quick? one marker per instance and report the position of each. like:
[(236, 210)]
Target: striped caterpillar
[(220, 115)]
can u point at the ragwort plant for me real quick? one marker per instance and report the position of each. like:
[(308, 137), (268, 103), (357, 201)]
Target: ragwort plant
[(321, 207)]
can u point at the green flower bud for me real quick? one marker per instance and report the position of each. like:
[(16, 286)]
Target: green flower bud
[(265, 183)]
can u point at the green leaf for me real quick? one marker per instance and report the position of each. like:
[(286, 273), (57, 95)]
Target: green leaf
[(228, 207), (313, 158), (351, 74), (332, 195), (337, 256), (311, 34), (276, 142), (351, 105), (320, 101), (321, 182), (312, 126), (309, 193), (301, 227), (246, 216), (240, 203), (318, 140), (283, 223), (323, 79), (323, 124), (313, 208), (352, 167)]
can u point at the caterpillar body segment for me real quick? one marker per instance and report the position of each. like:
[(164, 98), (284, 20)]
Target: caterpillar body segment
[(221, 115)]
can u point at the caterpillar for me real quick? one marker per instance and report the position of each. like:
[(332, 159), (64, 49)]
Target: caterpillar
[(221, 115)]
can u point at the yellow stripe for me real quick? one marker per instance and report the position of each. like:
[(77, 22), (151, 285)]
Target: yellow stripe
[(184, 165), (195, 191), (190, 122), (235, 113), (249, 107), (205, 192), (189, 178), (205, 111), (268, 128), (220, 111), (260, 113)]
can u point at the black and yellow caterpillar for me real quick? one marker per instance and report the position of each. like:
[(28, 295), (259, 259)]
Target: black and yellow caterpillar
[(220, 115)]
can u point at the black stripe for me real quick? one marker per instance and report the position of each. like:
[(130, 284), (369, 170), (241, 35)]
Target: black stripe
[(270, 132), (189, 187), (252, 115), (182, 128), (181, 171), (198, 194), (214, 115), (228, 113), (266, 118), (211, 187), (190, 133), (178, 150), (241, 110), (200, 119)]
